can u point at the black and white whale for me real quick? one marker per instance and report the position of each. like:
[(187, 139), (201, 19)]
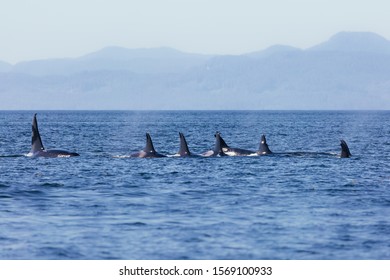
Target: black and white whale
[(218, 151), (37, 149), (345, 153), (263, 148), (184, 151), (148, 151), (233, 151)]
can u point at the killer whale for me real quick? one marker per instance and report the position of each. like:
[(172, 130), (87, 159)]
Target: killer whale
[(184, 151), (345, 153), (218, 151), (263, 148), (233, 151), (148, 151), (37, 148)]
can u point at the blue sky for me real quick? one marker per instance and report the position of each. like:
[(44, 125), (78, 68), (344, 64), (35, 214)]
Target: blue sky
[(48, 28)]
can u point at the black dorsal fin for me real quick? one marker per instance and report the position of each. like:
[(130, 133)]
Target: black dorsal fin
[(222, 142), (218, 145), (36, 142), (345, 153), (184, 151), (263, 148), (149, 144)]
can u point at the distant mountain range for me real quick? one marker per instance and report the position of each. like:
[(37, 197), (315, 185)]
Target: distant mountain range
[(349, 71)]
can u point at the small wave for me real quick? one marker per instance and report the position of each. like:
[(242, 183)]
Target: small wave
[(134, 224), (173, 156), (305, 154), (32, 192), (127, 186), (52, 185), (121, 156), (59, 253), (351, 183), (11, 156)]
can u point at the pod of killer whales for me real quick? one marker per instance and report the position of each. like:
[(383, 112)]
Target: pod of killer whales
[(220, 148)]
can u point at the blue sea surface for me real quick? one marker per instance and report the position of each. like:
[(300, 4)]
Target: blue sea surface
[(303, 202)]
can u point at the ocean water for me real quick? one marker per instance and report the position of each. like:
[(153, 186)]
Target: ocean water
[(303, 202)]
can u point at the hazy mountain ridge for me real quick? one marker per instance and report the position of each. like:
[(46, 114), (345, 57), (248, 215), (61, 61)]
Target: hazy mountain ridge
[(349, 71), (355, 42), (159, 60)]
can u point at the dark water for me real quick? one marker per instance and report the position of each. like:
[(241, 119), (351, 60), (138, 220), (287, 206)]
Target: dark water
[(286, 206)]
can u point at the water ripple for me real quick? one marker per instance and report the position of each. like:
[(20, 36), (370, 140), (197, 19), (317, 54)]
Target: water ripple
[(304, 202)]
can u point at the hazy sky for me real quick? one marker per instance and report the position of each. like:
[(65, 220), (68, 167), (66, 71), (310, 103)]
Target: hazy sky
[(35, 29)]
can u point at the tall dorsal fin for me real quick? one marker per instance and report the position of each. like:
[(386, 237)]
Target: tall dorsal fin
[(222, 142), (263, 148), (149, 145), (345, 153), (184, 151), (36, 142), (218, 145)]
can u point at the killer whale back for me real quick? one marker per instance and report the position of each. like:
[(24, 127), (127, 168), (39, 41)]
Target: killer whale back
[(149, 148), (184, 151), (222, 142), (219, 145), (232, 151), (36, 141), (263, 148), (37, 149), (148, 151), (345, 153)]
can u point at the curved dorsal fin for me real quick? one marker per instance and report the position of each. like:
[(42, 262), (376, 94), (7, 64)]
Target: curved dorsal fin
[(263, 148), (184, 151), (345, 153), (36, 142), (222, 142), (149, 148), (218, 145)]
